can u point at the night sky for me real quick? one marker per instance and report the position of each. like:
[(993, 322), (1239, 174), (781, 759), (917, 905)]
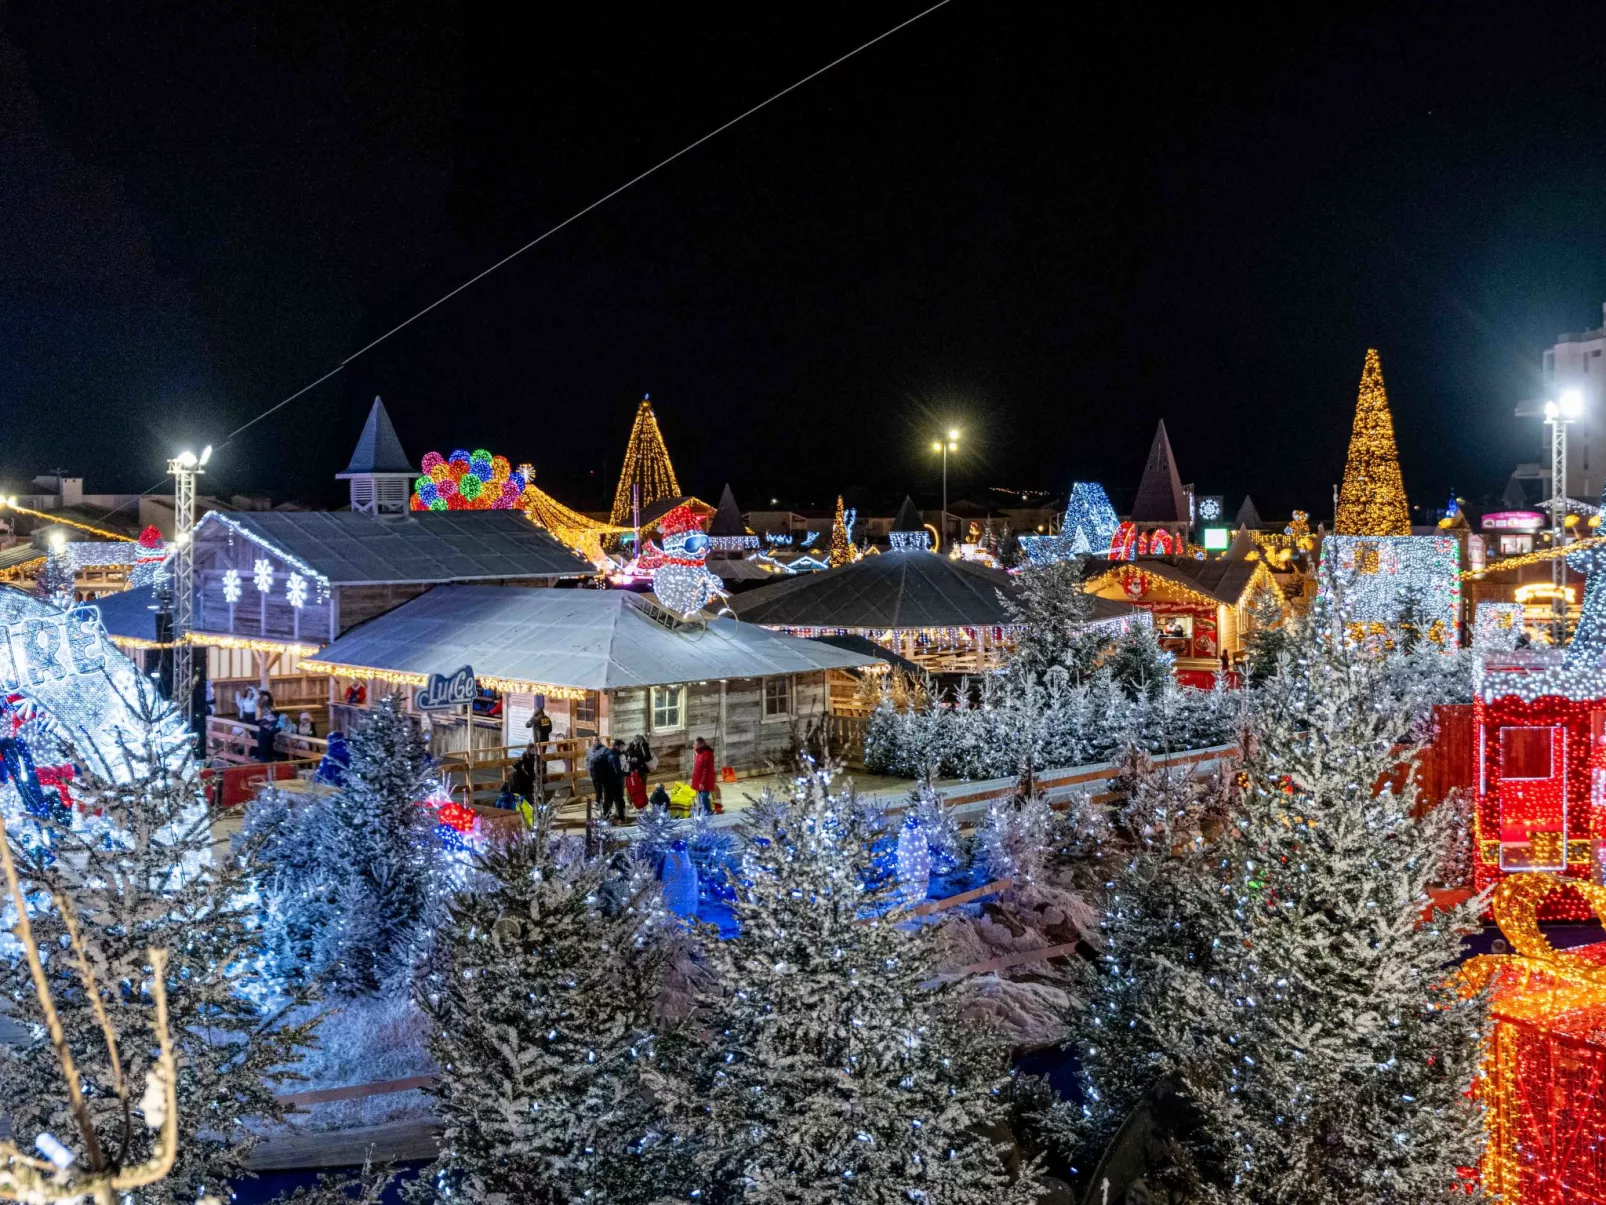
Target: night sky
[(1048, 224)]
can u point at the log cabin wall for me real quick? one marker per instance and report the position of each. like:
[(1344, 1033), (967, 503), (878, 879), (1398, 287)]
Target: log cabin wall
[(269, 616), (751, 742)]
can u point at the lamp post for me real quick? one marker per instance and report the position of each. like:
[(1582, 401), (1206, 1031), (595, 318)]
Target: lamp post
[(951, 444), (1558, 414)]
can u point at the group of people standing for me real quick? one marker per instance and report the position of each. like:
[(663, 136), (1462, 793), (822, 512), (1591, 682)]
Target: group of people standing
[(619, 771), (255, 709)]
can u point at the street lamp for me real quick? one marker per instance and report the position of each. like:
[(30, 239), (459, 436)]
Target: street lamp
[(951, 444)]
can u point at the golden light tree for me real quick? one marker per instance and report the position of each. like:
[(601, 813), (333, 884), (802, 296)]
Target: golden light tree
[(646, 465), (841, 549), (1372, 499)]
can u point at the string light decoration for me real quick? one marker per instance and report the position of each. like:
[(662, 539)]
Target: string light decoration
[(1371, 502), (103, 533), (910, 541), (646, 465), (262, 575), (1544, 1062), (231, 586), (295, 590), (841, 541), (1088, 528), (1124, 543), (389, 677), (250, 644), (1496, 627), (1376, 578)]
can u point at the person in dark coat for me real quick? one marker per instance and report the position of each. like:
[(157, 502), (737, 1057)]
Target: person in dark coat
[(614, 800), (521, 778), (267, 732)]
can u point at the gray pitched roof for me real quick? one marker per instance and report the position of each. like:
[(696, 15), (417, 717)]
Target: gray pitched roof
[(589, 639), (898, 589), (727, 519), (20, 554), (130, 613), (1160, 497), (1248, 516), (378, 449), (348, 548), (908, 518)]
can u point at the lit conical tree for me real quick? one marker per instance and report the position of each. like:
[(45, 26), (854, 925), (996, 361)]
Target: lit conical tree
[(1372, 500), (646, 464), (841, 549)]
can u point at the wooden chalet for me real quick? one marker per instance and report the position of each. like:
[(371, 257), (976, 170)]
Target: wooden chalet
[(607, 663), (1200, 606)]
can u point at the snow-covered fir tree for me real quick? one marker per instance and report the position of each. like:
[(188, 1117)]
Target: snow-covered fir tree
[(137, 862), (1300, 999), (1140, 667), (1053, 610), (353, 883), (836, 1068), (1272, 635), (544, 1026), (55, 579)]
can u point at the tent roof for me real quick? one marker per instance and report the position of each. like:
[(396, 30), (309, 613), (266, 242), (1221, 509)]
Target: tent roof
[(1248, 516), (347, 548), (727, 519), (1224, 579), (898, 589), (1160, 497), (378, 449), (586, 639), (908, 517), (130, 614)]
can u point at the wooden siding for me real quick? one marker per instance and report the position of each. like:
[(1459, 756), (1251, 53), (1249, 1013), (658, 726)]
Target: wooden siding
[(750, 743)]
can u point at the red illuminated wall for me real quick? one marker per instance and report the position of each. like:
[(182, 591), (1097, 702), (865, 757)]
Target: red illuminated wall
[(1522, 817)]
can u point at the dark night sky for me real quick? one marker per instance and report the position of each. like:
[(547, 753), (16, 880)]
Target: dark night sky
[(1051, 224)]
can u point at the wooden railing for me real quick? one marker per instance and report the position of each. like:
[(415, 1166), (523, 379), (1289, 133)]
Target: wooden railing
[(846, 734), (476, 775), (231, 740)]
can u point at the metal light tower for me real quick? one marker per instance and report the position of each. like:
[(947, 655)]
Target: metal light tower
[(951, 444), (1557, 415), (184, 468)]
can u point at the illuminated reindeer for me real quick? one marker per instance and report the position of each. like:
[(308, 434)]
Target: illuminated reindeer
[(37, 1181)]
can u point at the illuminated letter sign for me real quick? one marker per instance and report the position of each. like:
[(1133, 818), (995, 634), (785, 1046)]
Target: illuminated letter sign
[(446, 690)]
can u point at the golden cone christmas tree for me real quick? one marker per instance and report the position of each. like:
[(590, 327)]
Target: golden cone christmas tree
[(1372, 499), (841, 550), (647, 465)]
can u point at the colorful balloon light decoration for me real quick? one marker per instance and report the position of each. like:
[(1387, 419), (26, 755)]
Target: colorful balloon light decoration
[(468, 481)]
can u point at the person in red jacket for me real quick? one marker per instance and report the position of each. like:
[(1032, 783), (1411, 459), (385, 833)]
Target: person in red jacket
[(702, 774)]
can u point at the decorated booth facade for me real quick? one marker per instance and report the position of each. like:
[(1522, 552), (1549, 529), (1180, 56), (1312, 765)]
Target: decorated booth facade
[(1200, 606)]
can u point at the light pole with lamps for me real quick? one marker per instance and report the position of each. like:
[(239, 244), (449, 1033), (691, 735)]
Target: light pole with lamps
[(951, 444), (1557, 415)]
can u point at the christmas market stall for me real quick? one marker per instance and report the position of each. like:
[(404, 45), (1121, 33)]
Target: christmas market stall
[(1201, 606), (944, 615), (273, 588), (607, 663)]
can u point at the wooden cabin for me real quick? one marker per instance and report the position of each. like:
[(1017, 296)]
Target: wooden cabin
[(606, 663)]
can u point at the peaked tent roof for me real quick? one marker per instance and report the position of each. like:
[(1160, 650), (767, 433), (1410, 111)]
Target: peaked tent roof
[(378, 449), (348, 548), (908, 518), (727, 519), (1248, 516), (129, 614), (585, 639), (1160, 498), (898, 589)]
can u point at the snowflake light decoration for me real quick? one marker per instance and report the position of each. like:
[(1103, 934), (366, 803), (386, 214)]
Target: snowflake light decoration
[(262, 575), (231, 586), (295, 589)]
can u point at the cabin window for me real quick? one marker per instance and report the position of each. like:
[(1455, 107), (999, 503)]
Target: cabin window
[(777, 698), (668, 707), (1525, 753)]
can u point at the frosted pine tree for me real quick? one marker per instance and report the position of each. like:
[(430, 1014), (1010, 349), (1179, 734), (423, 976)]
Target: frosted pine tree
[(386, 877), (1319, 1035), (542, 1033), (1272, 635), (837, 1069), (1137, 663), (1053, 610), (137, 861)]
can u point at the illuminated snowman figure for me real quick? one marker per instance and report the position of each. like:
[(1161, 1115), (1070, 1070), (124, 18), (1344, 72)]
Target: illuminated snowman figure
[(683, 582)]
